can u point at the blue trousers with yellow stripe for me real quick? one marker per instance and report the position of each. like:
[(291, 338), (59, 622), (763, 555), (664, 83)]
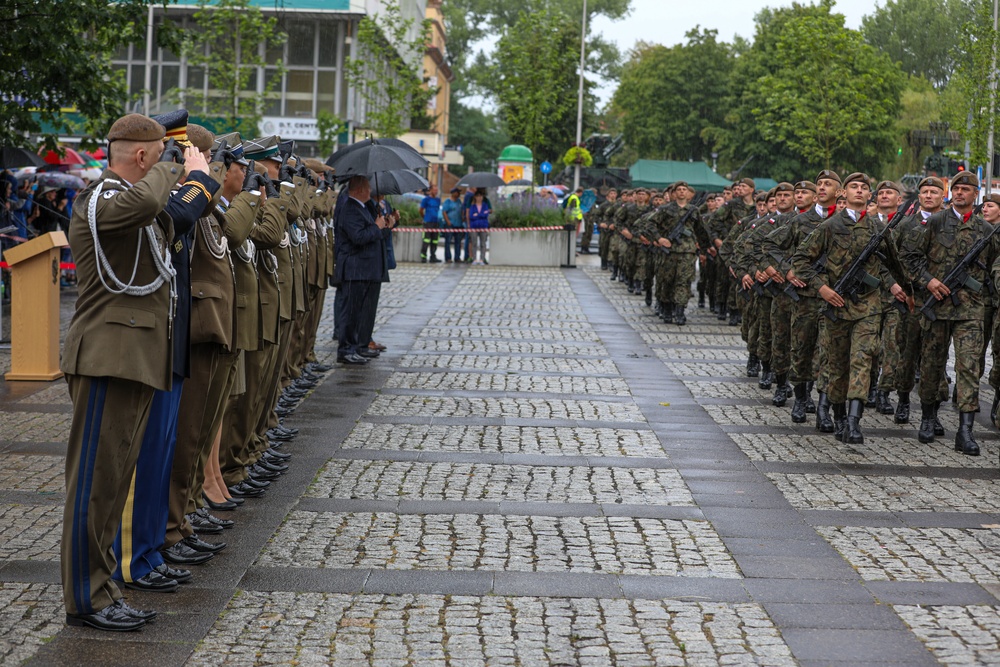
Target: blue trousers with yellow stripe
[(109, 418), (144, 518)]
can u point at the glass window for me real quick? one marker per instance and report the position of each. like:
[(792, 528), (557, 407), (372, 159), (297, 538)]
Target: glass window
[(122, 53), (170, 80), (275, 53), (324, 95), (328, 43), (167, 54), (302, 108), (299, 93), (301, 40), (196, 79), (300, 81)]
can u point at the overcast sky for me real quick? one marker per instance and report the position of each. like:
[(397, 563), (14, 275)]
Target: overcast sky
[(666, 21)]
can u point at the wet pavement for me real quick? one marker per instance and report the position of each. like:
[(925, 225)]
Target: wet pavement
[(539, 472)]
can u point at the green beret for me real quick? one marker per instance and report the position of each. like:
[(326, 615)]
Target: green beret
[(681, 184), (827, 173), (784, 186), (931, 181), (888, 185), (993, 197), (771, 192), (200, 138), (858, 177), (748, 181), (806, 185), (965, 178), (136, 127)]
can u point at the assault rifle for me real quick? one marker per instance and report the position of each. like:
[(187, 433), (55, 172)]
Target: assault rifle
[(959, 276), (855, 277), (675, 234)]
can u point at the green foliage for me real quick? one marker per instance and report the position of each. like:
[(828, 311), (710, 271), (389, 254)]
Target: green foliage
[(481, 136), (534, 79), (979, 45), (526, 212), (409, 211), (578, 155), (393, 93), (669, 98), (56, 55), (809, 95), (921, 35), (329, 126), (231, 30)]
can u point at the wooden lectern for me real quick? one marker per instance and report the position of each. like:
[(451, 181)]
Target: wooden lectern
[(34, 322)]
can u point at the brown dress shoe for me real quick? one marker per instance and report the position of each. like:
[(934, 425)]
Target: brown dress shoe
[(376, 346)]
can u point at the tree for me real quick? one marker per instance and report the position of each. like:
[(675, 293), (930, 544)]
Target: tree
[(668, 98), (536, 81), (57, 55), (329, 127), (481, 136), (921, 35), (226, 45), (809, 95), (979, 46), (383, 75)]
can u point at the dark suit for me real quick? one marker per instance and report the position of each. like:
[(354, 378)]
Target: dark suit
[(360, 269)]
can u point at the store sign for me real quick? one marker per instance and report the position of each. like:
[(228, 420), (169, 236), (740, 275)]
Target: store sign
[(300, 129)]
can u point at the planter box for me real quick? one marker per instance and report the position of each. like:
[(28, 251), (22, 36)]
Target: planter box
[(406, 245), (547, 248)]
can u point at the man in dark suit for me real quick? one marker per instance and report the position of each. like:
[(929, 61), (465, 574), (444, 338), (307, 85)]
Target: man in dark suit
[(360, 268)]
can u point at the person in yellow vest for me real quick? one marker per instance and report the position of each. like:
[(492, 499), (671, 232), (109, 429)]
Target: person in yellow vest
[(574, 215)]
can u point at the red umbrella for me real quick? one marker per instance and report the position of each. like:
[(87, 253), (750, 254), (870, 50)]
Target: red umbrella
[(99, 154), (69, 157)]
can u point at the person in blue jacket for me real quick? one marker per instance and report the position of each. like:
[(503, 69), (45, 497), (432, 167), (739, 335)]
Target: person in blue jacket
[(479, 222)]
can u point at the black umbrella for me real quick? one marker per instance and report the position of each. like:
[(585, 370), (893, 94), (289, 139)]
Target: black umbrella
[(520, 181), (373, 156), (481, 179), (397, 182), (11, 158)]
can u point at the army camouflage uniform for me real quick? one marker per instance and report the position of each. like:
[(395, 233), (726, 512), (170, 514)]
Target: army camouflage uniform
[(891, 335), (748, 256), (929, 251), (733, 248), (721, 223), (904, 379), (853, 337), (604, 215)]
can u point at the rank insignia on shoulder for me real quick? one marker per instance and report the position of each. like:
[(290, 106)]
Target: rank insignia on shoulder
[(178, 246)]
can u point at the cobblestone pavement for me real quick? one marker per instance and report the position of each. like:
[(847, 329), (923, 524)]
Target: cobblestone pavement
[(539, 472)]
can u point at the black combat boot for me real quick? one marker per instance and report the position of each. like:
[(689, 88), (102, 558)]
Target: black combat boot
[(996, 406), (668, 312), (680, 319), (621, 276), (964, 441), (823, 422), (926, 432), (799, 406), (723, 313), (883, 404), (604, 264), (711, 302), (701, 297), (734, 317), (614, 272), (902, 408), (852, 433), (872, 397), (631, 286), (938, 426), (766, 376), (839, 420), (810, 406), (658, 310), (780, 397), (649, 296), (753, 366)]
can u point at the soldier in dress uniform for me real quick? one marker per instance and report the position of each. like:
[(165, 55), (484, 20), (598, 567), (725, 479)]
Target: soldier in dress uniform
[(117, 355), (137, 548)]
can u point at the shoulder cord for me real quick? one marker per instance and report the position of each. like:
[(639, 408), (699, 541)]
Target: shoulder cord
[(269, 262), (216, 247), (285, 241), (321, 226), (164, 267), (246, 252), (294, 237)]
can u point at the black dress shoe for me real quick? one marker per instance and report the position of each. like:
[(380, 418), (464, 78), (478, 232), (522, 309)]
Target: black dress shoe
[(202, 546), (289, 403), (274, 434), (203, 525), (143, 614), (272, 466), (177, 574), (182, 554), (222, 523), (368, 353), (352, 360), (260, 474), (317, 367), (290, 430), (238, 501), (272, 454), (154, 582), (282, 412), (255, 483), (112, 618), (226, 506), (244, 490)]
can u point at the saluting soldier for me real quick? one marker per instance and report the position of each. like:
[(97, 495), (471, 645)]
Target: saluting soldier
[(853, 336), (117, 354), (930, 252)]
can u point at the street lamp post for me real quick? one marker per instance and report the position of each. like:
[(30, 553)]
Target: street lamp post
[(579, 101)]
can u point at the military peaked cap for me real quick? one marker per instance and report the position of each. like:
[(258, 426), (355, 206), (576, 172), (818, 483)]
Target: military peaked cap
[(262, 148), (176, 124), (234, 143)]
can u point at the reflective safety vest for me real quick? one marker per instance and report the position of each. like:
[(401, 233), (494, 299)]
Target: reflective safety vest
[(573, 207)]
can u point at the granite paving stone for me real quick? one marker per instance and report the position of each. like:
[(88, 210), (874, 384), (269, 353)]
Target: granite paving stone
[(956, 635), (30, 616), (450, 362), (545, 384), (30, 532), (402, 405), (41, 474)]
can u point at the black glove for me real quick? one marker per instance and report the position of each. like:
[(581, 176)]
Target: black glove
[(268, 185), (250, 181), (171, 153), (223, 154)]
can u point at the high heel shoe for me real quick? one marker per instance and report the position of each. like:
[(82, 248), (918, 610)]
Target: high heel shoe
[(226, 506)]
